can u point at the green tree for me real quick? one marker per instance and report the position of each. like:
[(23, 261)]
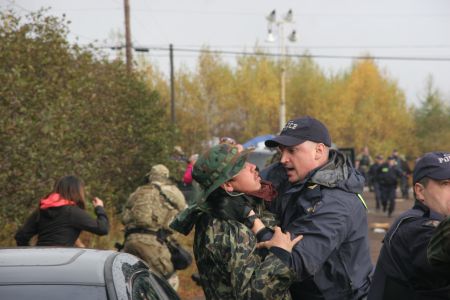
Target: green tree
[(433, 121), (67, 110)]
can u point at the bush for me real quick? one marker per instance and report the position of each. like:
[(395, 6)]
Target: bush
[(67, 110)]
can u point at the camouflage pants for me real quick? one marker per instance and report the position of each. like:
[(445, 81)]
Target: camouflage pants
[(149, 249)]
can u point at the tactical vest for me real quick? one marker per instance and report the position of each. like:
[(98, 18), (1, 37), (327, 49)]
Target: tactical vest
[(153, 206), (387, 175)]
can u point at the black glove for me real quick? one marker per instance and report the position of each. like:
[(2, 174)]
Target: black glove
[(230, 208), (237, 209)]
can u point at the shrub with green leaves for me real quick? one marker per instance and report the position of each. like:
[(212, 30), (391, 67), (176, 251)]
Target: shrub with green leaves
[(69, 110)]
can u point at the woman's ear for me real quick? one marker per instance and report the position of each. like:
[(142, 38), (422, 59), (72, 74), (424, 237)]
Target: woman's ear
[(227, 186)]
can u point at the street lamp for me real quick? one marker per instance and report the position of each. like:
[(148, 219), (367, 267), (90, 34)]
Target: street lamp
[(272, 20)]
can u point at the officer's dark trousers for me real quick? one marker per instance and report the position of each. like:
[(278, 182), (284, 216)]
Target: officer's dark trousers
[(404, 186), (377, 192), (388, 198)]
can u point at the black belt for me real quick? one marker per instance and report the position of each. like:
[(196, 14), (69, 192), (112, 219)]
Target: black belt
[(139, 230)]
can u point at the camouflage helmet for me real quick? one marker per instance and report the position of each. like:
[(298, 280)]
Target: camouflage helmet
[(216, 166), (158, 172)]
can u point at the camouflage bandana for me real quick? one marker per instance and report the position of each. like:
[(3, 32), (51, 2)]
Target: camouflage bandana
[(216, 166)]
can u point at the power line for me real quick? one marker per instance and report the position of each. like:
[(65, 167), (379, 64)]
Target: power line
[(243, 13), (317, 55), (255, 13), (318, 46), (443, 46), (244, 53)]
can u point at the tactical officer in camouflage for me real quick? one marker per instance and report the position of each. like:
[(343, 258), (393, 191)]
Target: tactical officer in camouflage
[(227, 230), (146, 217)]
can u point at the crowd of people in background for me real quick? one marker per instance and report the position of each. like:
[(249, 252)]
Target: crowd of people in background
[(384, 176), (296, 230)]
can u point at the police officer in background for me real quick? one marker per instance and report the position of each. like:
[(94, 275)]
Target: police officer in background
[(403, 166), (363, 163), (373, 172), (387, 177), (146, 217), (403, 270)]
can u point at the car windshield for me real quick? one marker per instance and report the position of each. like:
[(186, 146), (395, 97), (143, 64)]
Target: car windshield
[(52, 292)]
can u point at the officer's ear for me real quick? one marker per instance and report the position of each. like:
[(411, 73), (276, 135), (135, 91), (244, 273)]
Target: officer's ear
[(419, 190), (321, 151)]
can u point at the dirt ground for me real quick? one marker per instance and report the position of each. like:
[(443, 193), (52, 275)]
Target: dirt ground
[(188, 290)]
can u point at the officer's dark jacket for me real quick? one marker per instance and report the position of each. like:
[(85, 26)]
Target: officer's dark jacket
[(387, 175), (403, 271), (332, 261)]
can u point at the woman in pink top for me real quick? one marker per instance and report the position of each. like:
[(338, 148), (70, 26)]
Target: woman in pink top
[(187, 178)]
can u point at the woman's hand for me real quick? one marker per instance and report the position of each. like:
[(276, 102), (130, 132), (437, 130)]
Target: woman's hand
[(79, 243), (97, 202), (281, 240)]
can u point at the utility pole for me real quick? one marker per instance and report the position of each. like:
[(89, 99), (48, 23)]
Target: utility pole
[(128, 46), (272, 19), (172, 86), (283, 78)]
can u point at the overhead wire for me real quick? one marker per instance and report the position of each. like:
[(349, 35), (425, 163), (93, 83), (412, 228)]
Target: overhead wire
[(295, 55), (258, 14), (321, 46), (228, 52)]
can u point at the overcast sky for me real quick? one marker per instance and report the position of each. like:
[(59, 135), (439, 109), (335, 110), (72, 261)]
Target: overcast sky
[(382, 28)]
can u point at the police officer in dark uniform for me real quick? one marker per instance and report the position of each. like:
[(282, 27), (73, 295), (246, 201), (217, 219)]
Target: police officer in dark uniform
[(373, 172), (321, 201), (387, 176), (403, 270)]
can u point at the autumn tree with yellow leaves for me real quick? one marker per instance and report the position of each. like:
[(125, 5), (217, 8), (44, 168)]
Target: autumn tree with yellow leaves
[(361, 106)]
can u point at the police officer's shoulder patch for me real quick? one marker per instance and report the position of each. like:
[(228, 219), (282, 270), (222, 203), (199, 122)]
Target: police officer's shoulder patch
[(312, 186), (431, 223)]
